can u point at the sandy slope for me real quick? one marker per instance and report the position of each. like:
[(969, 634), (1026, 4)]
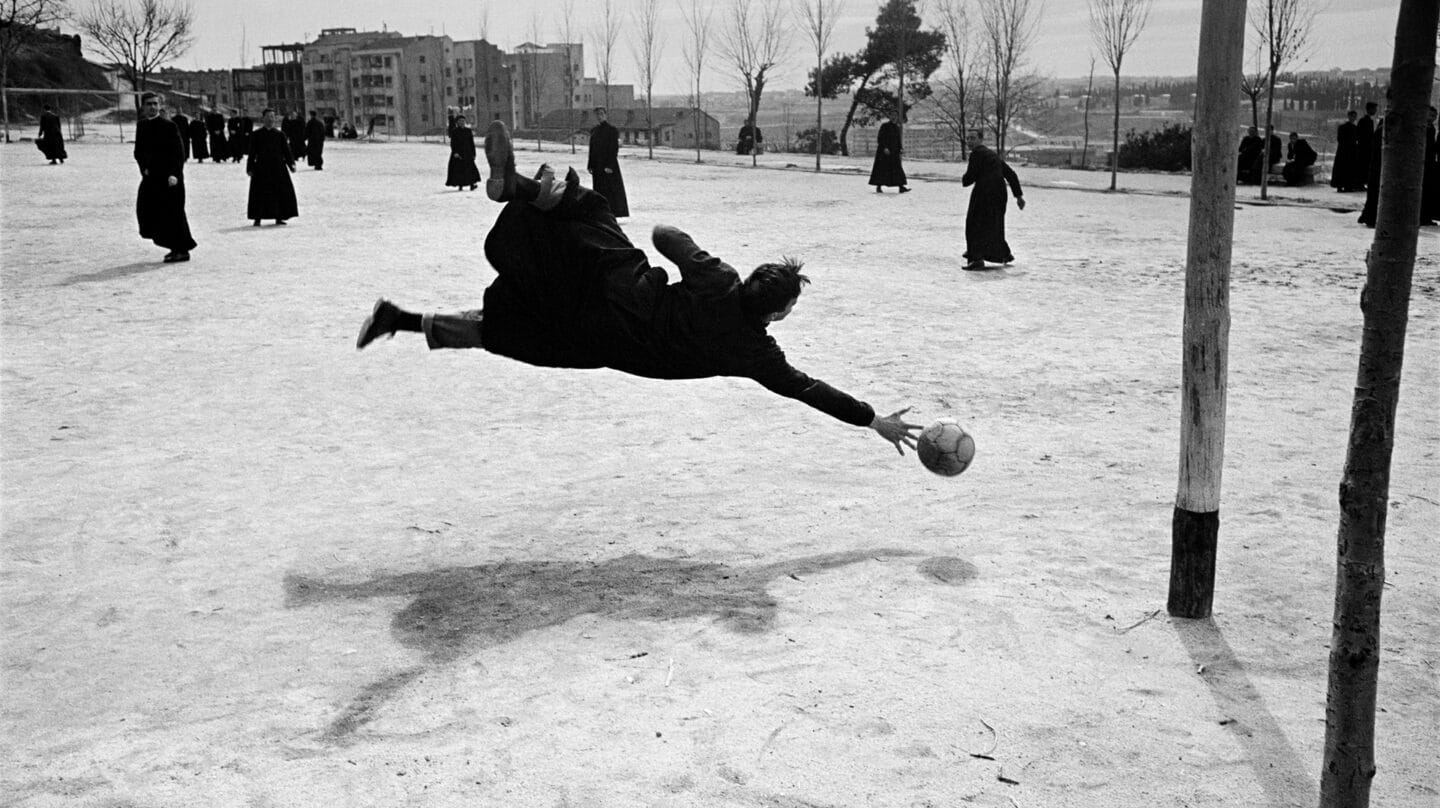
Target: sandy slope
[(245, 565)]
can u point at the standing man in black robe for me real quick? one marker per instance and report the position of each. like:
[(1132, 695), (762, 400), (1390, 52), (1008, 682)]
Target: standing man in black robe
[(293, 128), (182, 124), (215, 125), (1376, 151), (1248, 166), (462, 169), (160, 203), (572, 291), (199, 148), (315, 142), (985, 219), (241, 128), (604, 164), (51, 140), (1364, 139), (887, 169), (272, 194), (1299, 156), (1345, 174)]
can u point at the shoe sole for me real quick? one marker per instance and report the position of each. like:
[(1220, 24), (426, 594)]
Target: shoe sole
[(366, 337), (499, 153)]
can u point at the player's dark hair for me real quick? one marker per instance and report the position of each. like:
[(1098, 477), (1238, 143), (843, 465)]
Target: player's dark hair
[(770, 288)]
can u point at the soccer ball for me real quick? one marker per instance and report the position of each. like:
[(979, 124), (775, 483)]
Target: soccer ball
[(945, 447)]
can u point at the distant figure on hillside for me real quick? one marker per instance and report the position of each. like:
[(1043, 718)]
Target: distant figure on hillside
[(462, 171), (215, 125), (751, 140), (1249, 164), (985, 220), (315, 142), (1348, 172), (270, 164), (199, 145), (604, 164), (51, 140), (887, 169), (572, 291), (160, 203), (182, 124), (1299, 156)]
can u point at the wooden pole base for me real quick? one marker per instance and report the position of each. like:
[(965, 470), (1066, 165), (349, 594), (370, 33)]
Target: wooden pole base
[(1193, 539)]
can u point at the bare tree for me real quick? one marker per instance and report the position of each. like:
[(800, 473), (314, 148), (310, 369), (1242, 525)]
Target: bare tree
[(1284, 28), (955, 99), (755, 42), (1252, 84), (1114, 27), (20, 22), (1348, 765), (817, 18), (567, 35), (697, 15), (1009, 28), (647, 50), (606, 35), (538, 73), (138, 36)]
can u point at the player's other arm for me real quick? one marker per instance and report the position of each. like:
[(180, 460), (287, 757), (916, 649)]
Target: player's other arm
[(699, 270), (777, 376)]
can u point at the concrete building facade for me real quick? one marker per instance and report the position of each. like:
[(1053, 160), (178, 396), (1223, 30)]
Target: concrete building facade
[(284, 77), (482, 83), (329, 72), (214, 88), (545, 78)]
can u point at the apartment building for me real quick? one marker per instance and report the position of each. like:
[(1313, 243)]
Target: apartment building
[(214, 88), (482, 83), (284, 77), (249, 84), (328, 72), (544, 78), (403, 86)]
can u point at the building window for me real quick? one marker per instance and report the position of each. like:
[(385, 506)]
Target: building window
[(389, 61), (389, 100), (422, 78)]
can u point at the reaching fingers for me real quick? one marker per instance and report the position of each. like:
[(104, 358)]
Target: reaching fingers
[(899, 413)]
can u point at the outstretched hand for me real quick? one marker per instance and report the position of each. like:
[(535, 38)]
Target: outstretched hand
[(895, 430), (1020, 202)]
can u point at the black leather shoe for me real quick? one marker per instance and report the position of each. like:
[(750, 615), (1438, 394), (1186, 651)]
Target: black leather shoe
[(500, 154), (176, 257), (381, 323)]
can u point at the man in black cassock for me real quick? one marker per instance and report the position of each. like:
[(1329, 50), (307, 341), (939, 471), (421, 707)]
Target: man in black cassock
[(293, 128), (985, 219), (604, 164), (160, 203), (1376, 150), (1346, 174), (199, 147), (1249, 164), (751, 139), (51, 140), (1299, 156), (315, 142), (571, 291), (240, 136), (1364, 139), (182, 125), (215, 125), (270, 164), (462, 170), (887, 169)]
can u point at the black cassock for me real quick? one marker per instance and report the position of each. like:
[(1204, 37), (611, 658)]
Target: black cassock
[(985, 220), (51, 141), (887, 169), (1348, 172), (159, 207), (1249, 164), (198, 147), (463, 170), (605, 154), (294, 131), (241, 128), (1374, 164), (272, 194), (315, 143), (215, 125), (750, 140), (182, 125), (1300, 155)]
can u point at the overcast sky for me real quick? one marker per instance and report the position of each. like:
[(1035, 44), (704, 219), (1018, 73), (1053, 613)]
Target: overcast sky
[(1348, 33)]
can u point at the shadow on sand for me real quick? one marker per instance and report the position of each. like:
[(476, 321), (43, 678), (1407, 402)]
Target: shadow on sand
[(1277, 767), (457, 611), (116, 273)]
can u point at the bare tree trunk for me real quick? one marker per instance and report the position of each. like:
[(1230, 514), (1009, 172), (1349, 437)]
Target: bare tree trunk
[(1195, 526), (1089, 92), (1115, 134), (5, 96), (1349, 760), (819, 103), (1269, 133)]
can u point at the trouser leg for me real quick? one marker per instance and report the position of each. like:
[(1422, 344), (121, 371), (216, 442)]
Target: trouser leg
[(460, 330)]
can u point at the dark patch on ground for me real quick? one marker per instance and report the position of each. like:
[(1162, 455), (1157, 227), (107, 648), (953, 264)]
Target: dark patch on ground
[(115, 273), (457, 611)]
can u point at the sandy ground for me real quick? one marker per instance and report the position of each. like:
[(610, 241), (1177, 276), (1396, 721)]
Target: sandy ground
[(245, 565)]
